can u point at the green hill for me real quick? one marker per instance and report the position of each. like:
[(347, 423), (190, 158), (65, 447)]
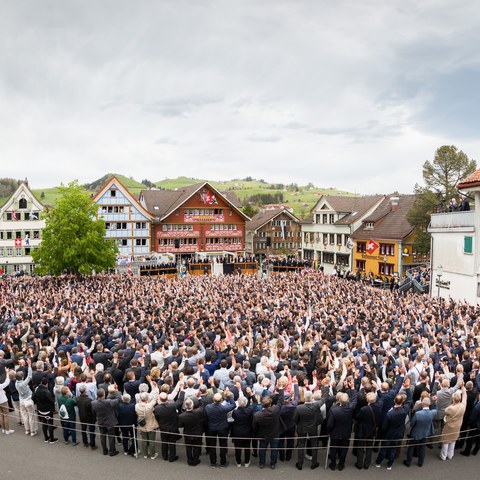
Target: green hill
[(249, 191), (300, 198)]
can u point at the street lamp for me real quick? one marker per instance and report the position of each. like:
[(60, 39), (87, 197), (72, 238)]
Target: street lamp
[(439, 276)]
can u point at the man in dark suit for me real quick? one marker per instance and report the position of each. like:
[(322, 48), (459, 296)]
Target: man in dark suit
[(422, 428), (167, 417), (217, 422), (393, 427), (192, 422), (339, 425), (368, 420), (86, 416), (105, 410), (266, 426), (307, 419)]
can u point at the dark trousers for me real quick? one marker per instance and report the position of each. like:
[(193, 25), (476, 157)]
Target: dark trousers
[(420, 449), (193, 449), (107, 432), (338, 449), (364, 451), (301, 443), (222, 436), (88, 430), (245, 445), (286, 443), (47, 425), (169, 447), (128, 440), (262, 450), (473, 439), (389, 450)]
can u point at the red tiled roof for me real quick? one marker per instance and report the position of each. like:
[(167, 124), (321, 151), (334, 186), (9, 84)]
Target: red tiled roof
[(472, 181)]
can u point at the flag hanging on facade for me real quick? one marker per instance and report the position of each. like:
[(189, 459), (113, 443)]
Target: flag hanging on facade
[(372, 245), (283, 224), (14, 216), (33, 215), (18, 242), (27, 240)]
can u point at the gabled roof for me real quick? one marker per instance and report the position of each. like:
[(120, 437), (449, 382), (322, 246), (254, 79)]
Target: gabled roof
[(263, 217), (162, 203), (358, 208), (472, 181), (23, 187), (354, 208), (389, 223), (120, 186), (339, 203)]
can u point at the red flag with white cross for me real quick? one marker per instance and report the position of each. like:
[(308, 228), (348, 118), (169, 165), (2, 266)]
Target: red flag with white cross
[(18, 242), (372, 245)]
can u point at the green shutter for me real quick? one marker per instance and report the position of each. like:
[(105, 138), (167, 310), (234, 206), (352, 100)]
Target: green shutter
[(467, 244)]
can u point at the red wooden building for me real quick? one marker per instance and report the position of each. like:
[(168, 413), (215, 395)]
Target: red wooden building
[(195, 219)]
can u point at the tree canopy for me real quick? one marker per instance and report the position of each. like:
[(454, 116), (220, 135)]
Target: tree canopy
[(73, 240), (441, 177)]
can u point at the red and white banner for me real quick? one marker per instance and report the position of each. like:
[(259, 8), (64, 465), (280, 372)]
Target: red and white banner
[(18, 242), (372, 245), (187, 218), (14, 216)]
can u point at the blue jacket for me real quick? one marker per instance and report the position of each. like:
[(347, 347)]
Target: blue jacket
[(217, 414), (422, 423)]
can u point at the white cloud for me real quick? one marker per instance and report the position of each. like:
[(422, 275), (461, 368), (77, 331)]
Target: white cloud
[(350, 94)]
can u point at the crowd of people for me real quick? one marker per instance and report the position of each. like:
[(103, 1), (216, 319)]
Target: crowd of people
[(283, 367)]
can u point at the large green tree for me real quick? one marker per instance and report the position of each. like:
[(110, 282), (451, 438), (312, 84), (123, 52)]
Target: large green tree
[(441, 177), (73, 240)]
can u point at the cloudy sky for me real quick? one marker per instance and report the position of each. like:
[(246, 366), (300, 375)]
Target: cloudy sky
[(352, 94)]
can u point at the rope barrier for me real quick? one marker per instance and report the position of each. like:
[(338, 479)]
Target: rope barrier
[(376, 443)]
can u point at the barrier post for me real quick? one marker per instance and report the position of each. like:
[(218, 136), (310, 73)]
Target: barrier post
[(135, 441), (328, 453)]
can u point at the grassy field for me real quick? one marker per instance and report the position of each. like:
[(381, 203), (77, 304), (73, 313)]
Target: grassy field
[(300, 198)]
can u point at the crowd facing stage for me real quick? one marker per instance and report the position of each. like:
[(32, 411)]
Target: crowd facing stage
[(281, 366)]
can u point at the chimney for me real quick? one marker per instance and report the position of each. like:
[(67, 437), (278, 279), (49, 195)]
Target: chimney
[(394, 203)]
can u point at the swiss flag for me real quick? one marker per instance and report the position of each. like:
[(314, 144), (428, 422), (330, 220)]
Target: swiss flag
[(18, 242), (372, 245)]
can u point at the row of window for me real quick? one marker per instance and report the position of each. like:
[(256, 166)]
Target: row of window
[(280, 223), (277, 245), (125, 225), (383, 268), (325, 218), (17, 268), (384, 248), (290, 234), (327, 238), (17, 216), (113, 209), (139, 242), (10, 235), (228, 240), (183, 241), (203, 211), (14, 251)]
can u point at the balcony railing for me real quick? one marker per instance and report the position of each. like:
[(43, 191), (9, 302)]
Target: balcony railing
[(452, 219)]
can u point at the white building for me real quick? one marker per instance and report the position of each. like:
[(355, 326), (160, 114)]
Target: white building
[(334, 218), (126, 221), (21, 225), (455, 256)]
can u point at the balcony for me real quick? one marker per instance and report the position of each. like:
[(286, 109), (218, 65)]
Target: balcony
[(452, 220)]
